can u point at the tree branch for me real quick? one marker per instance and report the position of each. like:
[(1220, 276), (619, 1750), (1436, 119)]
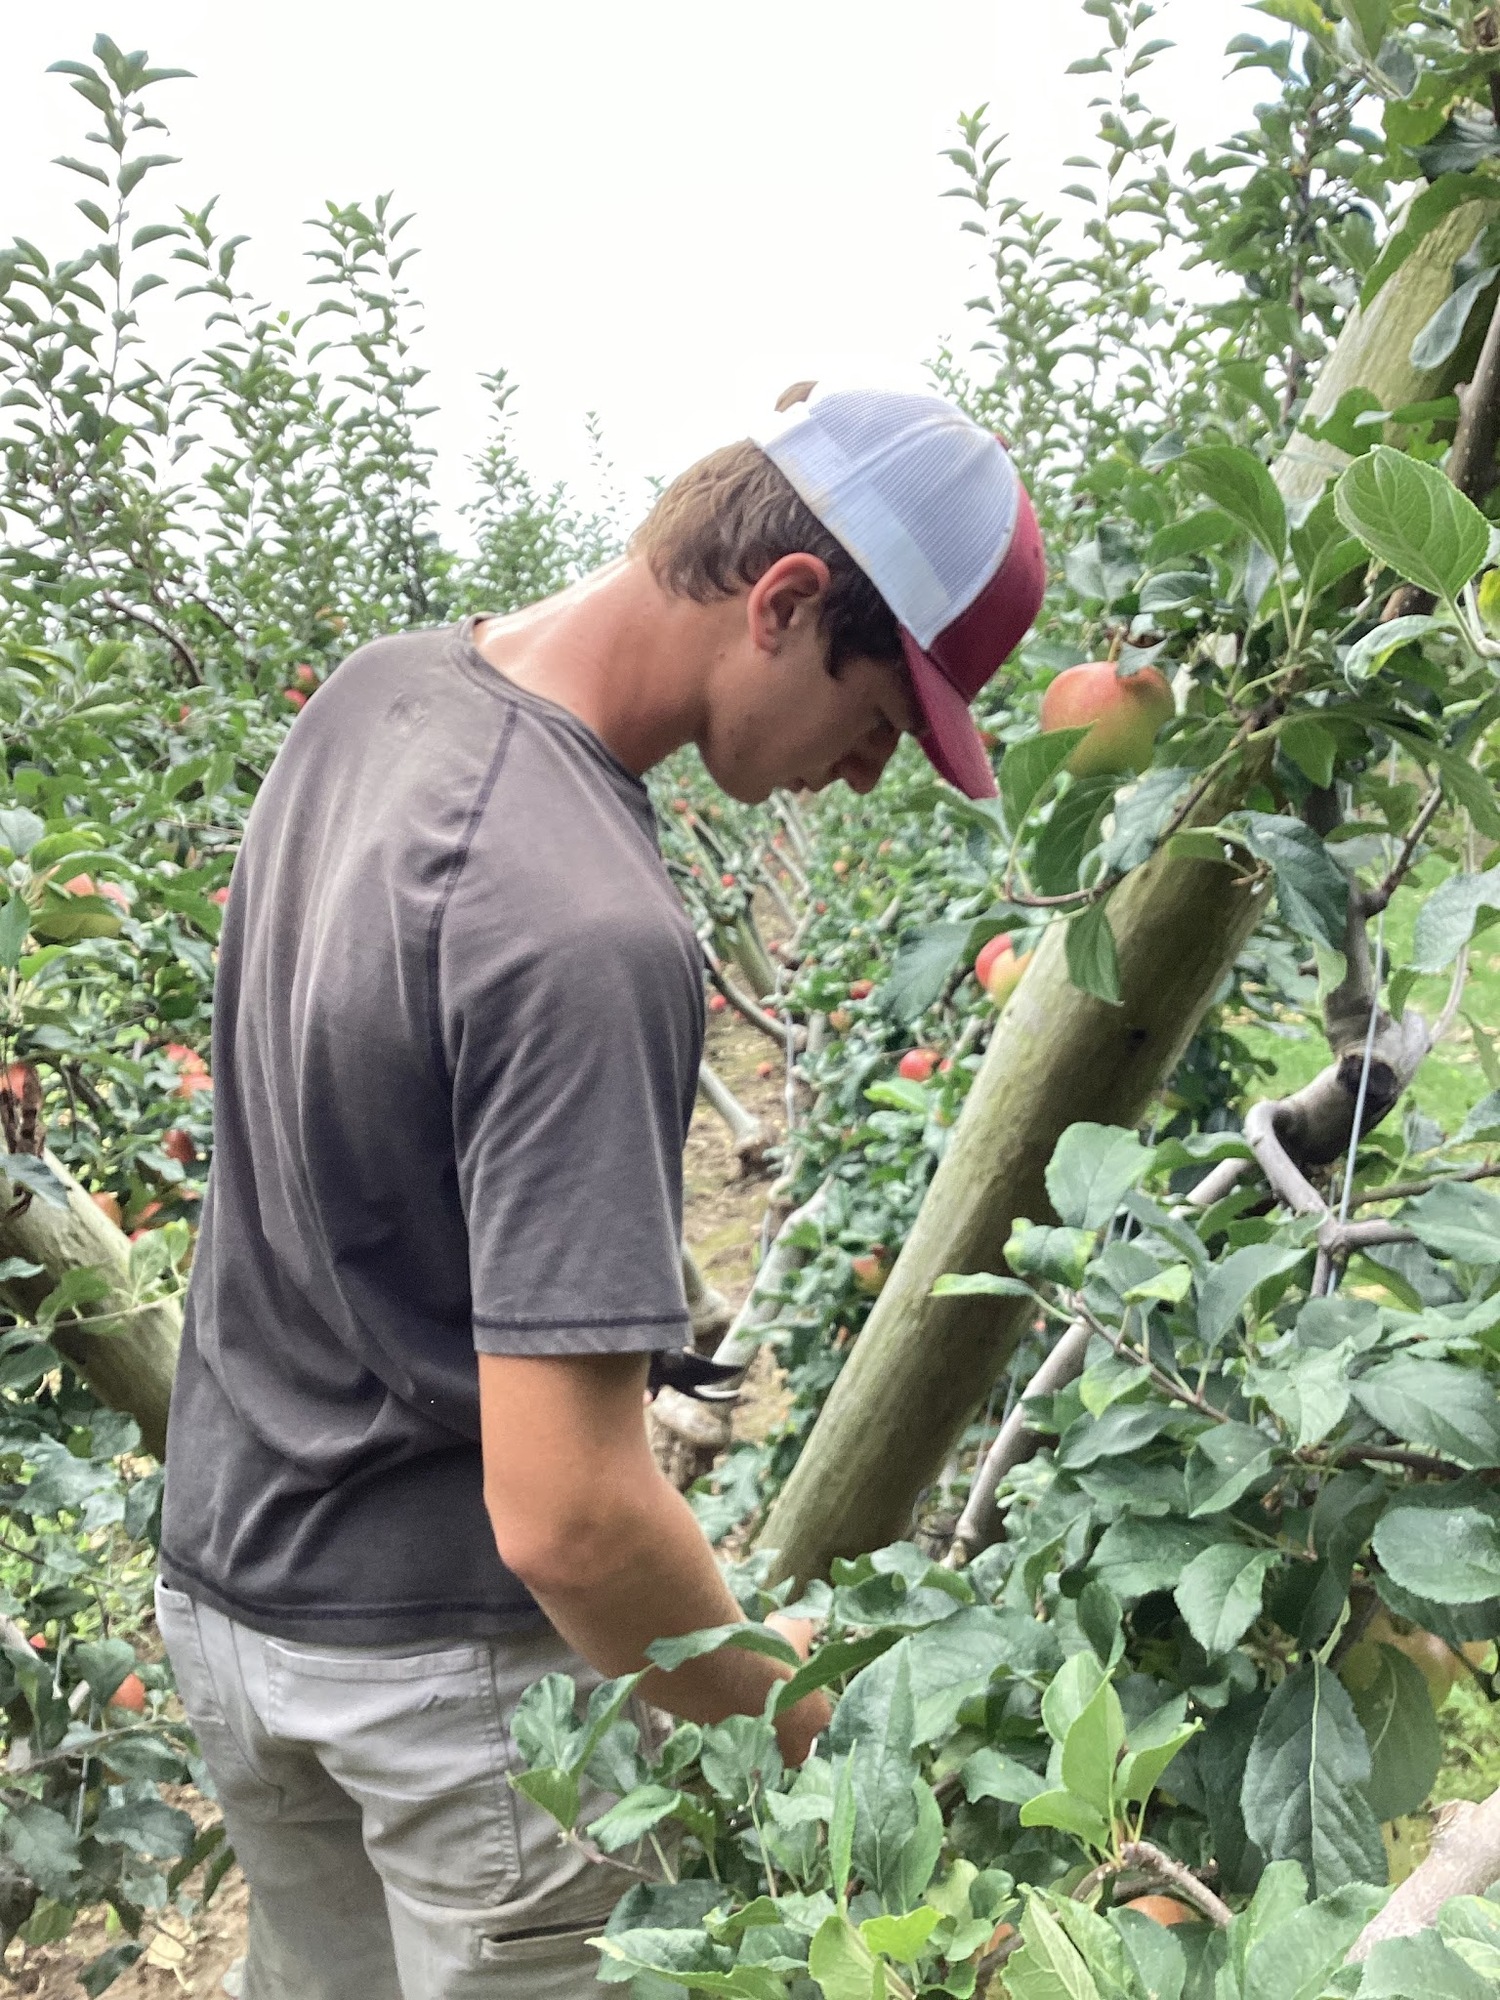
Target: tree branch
[(979, 1524), (1464, 1861)]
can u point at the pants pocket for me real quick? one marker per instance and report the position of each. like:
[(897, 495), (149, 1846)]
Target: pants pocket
[(418, 1741), (544, 1963)]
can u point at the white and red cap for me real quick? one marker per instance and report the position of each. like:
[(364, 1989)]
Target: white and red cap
[(931, 508)]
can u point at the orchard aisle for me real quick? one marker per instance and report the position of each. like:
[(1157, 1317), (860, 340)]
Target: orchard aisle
[(722, 1218)]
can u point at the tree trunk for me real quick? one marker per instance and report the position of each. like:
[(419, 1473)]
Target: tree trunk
[(126, 1353), (1374, 351), (922, 1365)]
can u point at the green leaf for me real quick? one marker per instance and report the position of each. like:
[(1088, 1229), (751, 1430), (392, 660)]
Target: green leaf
[(841, 1962), (65, 919), (1065, 1810), (20, 830), (1170, 1287), (921, 969), (1399, 1968), (98, 1976), (1028, 768), (147, 1826), (980, 1284), (669, 1654), (1136, 1556), (831, 1662), (900, 1093), (1220, 1592), (841, 1830), (882, 1771), (1414, 520), (1303, 1798), (1223, 1465), (1141, 1771), (103, 1663), (555, 1791), (1369, 654), (1071, 832), (1060, 1256), (43, 1845), (1311, 747), (633, 1817), (1093, 960), (990, 1774), (1445, 922), (1396, 1713), (1047, 1967), (902, 1938), (1457, 1220), (15, 927), (1442, 1543), (1237, 482), (1440, 337), (1234, 1281), (1451, 1409), (1091, 1749), (1311, 888), (1092, 1169)]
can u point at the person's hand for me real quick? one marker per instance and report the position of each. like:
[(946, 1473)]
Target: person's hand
[(800, 1727), (798, 1632)]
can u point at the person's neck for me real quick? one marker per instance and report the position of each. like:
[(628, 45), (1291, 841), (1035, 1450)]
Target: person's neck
[(618, 652)]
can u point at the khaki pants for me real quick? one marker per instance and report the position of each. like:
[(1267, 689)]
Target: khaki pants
[(364, 1791)]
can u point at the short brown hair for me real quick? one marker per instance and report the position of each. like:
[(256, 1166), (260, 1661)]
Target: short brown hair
[(723, 522)]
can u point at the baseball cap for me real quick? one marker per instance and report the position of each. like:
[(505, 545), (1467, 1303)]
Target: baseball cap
[(930, 506)]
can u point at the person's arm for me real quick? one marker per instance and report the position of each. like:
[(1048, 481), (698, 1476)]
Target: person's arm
[(609, 1549)]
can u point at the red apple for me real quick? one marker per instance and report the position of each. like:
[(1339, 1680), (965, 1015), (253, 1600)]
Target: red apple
[(861, 989), (998, 969), (108, 1205), (219, 896), (727, 880), (871, 1272), (178, 1145), (131, 1694), (917, 1065), (294, 697), (1163, 1909), (765, 1069), (716, 1003), (306, 677), (1123, 713)]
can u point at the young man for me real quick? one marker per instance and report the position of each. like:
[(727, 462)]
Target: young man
[(456, 1047)]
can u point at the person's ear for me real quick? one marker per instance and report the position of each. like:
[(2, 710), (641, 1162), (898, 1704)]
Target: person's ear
[(785, 599)]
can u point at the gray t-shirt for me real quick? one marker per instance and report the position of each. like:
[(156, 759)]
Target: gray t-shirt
[(456, 1041)]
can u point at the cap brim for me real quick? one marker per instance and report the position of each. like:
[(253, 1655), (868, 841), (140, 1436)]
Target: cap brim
[(949, 738)]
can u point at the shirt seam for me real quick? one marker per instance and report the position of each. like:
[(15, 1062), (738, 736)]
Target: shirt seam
[(455, 869), (563, 1325), (281, 1608)]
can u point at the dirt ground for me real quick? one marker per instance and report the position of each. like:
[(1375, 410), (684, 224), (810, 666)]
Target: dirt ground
[(722, 1222)]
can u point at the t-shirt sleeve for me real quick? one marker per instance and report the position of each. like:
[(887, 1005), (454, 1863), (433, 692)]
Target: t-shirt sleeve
[(574, 1055)]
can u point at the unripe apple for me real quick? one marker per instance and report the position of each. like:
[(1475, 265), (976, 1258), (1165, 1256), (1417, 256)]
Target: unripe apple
[(917, 1065), (998, 968), (841, 1020), (1125, 712), (1439, 1664), (109, 1205)]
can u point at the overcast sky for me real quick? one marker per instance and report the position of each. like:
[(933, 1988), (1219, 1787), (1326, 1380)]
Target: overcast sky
[(664, 212)]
